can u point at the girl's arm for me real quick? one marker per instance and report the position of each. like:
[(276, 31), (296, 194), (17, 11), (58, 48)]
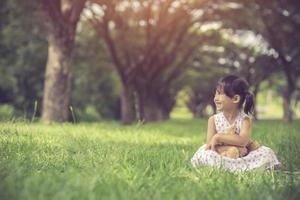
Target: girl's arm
[(238, 140), (211, 131)]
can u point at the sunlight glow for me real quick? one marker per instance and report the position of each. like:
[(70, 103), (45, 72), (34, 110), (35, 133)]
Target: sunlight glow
[(210, 26), (94, 10)]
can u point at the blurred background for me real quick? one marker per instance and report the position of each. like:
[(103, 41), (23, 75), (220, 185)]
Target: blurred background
[(145, 60)]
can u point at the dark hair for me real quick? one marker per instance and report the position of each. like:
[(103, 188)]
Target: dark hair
[(233, 85)]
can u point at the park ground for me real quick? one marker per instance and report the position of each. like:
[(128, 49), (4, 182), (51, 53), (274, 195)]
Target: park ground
[(106, 160)]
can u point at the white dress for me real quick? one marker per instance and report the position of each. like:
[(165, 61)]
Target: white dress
[(263, 157)]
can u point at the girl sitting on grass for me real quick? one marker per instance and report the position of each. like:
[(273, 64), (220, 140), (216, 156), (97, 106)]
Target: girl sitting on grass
[(231, 97)]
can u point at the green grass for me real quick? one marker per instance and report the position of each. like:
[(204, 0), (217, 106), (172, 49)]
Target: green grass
[(108, 161)]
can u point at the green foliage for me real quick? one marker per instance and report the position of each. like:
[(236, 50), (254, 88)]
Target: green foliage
[(96, 86), (24, 49), (95, 83), (6, 112), (110, 161)]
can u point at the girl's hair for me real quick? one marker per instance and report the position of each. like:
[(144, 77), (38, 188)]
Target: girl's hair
[(233, 85)]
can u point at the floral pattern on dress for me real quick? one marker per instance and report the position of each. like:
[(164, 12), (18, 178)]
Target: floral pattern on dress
[(263, 157)]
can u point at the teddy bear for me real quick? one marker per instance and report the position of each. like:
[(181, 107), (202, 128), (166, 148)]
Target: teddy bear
[(234, 151)]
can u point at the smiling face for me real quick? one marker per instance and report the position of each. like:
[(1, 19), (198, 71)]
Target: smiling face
[(225, 103)]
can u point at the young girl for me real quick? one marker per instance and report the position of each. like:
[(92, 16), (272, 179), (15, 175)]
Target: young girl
[(231, 97)]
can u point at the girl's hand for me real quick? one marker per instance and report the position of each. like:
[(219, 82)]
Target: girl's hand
[(214, 142), (243, 151), (208, 146)]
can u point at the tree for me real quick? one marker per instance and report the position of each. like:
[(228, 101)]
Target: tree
[(61, 18), (227, 53), (278, 22), (96, 86), (23, 55), (285, 42), (150, 43)]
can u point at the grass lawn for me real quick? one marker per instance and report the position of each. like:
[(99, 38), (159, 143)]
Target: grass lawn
[(108, 161)]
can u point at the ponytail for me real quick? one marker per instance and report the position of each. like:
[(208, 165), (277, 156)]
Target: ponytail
[(249, 103)]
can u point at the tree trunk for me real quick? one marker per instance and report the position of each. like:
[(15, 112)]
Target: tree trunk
[(60, 18), (167, 105), (127, 104), (287, 113), (152, 111), (201, 112), (152, 107), (197, 108), (166, 113), (255, 92), (57, 86)]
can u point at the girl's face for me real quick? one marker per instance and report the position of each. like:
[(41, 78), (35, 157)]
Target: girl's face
[(225, 103)]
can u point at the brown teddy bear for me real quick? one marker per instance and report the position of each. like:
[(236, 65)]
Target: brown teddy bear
[(235, 151)]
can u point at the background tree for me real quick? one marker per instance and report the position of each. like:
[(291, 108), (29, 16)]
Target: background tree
[(285, 14), (23, 50), (61, 18), (96, 86), (149, 43), (277, 21), (227, 53), (147, 46), (23, 47)]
